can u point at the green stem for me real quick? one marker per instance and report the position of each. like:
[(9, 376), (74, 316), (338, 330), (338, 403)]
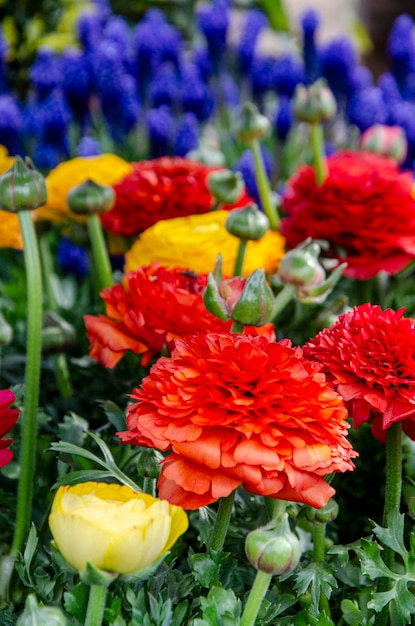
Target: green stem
[(62, 375), (239, 262), (319, 556), (32, 379), (96, 605), (237, 328), (223, 517), (264, 187), (283, 298), (256, 595), (99, 252), (317, 143)]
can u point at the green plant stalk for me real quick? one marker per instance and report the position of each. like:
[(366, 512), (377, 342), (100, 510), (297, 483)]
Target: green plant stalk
[(319, 556), (256, 595), (237, 328), (99, 252), (264, 188), (223, 517), (240, 257), (32, 379), (61, 370), (96, 605), (319, 159), (282, 299)]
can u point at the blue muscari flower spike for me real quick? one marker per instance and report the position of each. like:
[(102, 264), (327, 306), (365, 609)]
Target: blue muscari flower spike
[(366, 108), (401, 49), (160, 128), (229, 91), (10, 124), (246, 166), (103, 9), (403, 114), (47, 156), (196, 95), (118, 32), (213, 21), (284, 118), (3, 70), (88, 146), (262, 76), (108, 70), (76, 82), (390, 93), (122, 111), (89, 30), (203, 62), (360, 78), (338, 60), (45, 73), (56, 117), (164, 87), (72, 259), (288, 72), (310, 21), (187, 135), (255, 21)]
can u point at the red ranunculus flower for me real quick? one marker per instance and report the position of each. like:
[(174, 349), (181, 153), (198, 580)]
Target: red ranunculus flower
[(8, 418), (161, 189), (364, 209), (240, 410), (157, 306), (370, 356)]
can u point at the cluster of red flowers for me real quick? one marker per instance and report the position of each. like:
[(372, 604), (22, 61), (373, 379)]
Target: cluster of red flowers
[(157, 306), (365, 209), (238, 410), (8, 418), (369, 354), (161, 189)]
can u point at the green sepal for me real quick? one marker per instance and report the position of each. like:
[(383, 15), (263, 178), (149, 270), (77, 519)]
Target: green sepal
[(94, 576), (255, 306), (248, 223), (250, 124), (226, 186), (213, 301), (22, 188)]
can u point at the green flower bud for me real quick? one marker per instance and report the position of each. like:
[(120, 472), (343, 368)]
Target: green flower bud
[(89, 198), (274, 548), (221, 295), (225, 186), (255, 306), (301, 267), (35, 613), (207, 155), (250, 124), (327, 513), (314, 103), (6, 332), (57, 334), (388, 141), (22, 188), (249, 223)]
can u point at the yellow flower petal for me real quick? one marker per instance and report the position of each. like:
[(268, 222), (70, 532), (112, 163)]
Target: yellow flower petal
[(105, 169), (113, 527), (10, 236), (195, 242)]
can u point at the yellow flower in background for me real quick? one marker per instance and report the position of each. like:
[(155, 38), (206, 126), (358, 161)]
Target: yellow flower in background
[(113, 527), (195, 242), (105, 169), (10, 236)]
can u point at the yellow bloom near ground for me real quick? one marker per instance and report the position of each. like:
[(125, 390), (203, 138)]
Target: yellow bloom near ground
[(10, 236), (105, 169), (195, 242), (113, 527)]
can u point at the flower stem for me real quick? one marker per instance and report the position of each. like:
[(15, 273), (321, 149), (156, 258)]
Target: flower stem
[(239, 262), (317, 142), (223, 517), (237, 328), (393, 486), (96, 605), (264, 187), (256, 595), (99, 252), (283, 298), (32, 378), (319, 556)]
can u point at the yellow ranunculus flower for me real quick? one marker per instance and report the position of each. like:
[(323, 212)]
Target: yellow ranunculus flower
[(105, 169), (10, 236), (195, 242), (113, 527)]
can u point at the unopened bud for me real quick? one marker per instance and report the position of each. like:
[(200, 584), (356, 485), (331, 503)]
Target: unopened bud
[(389, 141), (22, 188), (248, 223), (251, 124), (57, 334), (255, 306), (225, 186), (315, 103), (35, 613), (207, 154), (89, 198), (274, 548), (327, 513), (301, 267)]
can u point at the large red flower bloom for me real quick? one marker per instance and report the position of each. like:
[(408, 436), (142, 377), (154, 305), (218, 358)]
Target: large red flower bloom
[(364, 209), (161, 189), (157, 306), (370, 356), (8, 418), (240, 410)]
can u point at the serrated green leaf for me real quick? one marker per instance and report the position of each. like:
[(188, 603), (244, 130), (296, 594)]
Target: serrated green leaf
[(371, 562), (392, 536), (76, 601), (352, 615), (317, 577), (205, 569)]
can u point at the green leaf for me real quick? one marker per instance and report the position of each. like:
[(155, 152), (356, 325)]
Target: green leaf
[(205, 569), (352, 615), (76, 601), (317, 577), (220, 608), (371, 562), (392, 536), (82, 476), (114, 414)]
